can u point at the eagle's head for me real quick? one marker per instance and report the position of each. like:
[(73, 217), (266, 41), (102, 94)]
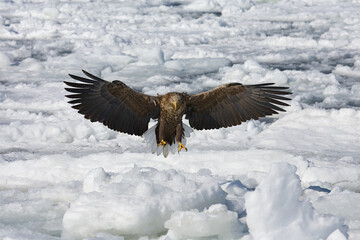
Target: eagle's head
[(174, 102)]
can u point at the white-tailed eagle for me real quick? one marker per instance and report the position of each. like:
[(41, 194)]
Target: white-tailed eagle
[(125, 110)]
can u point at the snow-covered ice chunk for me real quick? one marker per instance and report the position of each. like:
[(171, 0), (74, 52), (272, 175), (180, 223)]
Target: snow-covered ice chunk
[(252, 72), (336, 235), (347, 71), (216, 221), (290, 42), (137, 202), (94, 180), (4, 60), (7, 232), (50, 13), (198, 65), (309, 129), (153, 56), (274, 210), (203, 6), (341, 203), (236, 7), (105, 236)]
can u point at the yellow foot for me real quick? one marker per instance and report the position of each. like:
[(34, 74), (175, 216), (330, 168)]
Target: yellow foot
[(162, 143), (181, 146)]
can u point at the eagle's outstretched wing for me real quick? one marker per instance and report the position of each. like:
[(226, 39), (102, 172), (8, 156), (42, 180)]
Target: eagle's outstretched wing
[(234, 103), (112, 103)]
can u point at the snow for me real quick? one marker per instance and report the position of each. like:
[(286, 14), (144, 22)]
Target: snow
[(274, 215), (137, 202), (216, 221), (63, 177), (4, 60)]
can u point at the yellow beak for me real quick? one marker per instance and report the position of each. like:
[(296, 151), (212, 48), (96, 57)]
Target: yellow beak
[(175, 105)]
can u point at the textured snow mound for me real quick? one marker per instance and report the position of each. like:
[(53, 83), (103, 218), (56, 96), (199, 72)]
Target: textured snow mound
[(275, 211), (137, 202), (217, 221)]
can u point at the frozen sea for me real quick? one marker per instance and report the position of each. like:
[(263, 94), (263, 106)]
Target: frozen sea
[(295, 175)]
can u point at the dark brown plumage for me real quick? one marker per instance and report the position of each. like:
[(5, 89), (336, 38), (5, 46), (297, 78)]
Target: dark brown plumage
[(122, 109)]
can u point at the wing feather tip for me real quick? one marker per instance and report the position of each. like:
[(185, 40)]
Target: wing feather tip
[(67, 83)]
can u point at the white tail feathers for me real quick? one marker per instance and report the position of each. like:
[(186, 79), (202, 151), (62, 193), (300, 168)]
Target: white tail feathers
[(150, 139)]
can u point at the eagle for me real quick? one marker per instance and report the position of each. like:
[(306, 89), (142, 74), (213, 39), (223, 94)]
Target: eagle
[(123, 109)]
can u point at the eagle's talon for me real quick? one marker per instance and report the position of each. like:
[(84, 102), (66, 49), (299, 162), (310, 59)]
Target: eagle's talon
[(181, 146), (162, 143)]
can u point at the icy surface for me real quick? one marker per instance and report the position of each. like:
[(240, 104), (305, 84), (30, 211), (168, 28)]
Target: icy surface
[(271, 214), (62, 176), (217, 221), (138, 202)]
